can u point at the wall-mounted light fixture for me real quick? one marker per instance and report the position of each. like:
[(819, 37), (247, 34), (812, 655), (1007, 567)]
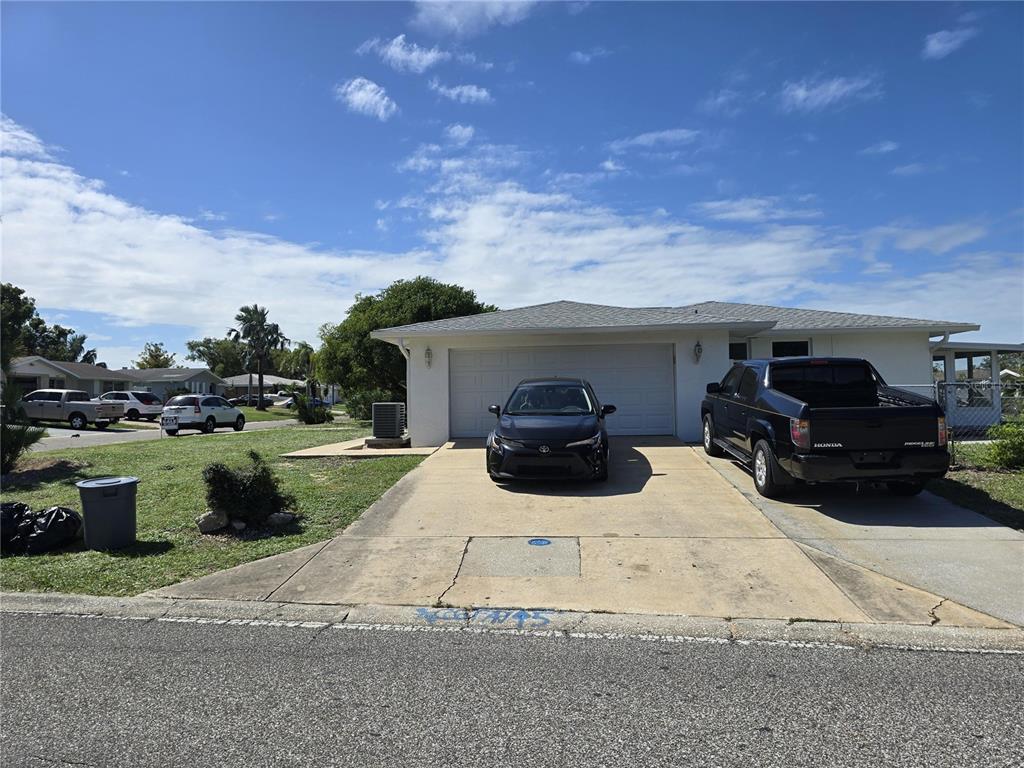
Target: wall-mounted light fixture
[(428, 356), (698, 350)]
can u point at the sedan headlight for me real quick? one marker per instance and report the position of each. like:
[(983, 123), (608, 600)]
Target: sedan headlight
[(590, 442)]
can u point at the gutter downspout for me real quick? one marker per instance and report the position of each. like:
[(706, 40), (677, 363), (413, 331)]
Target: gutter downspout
[(932, 345)]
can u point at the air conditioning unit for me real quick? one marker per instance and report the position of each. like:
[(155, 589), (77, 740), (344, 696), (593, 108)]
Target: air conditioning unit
[(388, 420)]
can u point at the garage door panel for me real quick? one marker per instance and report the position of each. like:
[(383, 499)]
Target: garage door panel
[(637, 379)]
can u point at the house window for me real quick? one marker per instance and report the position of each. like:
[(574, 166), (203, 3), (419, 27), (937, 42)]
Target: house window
[(791, 348), (56, 384), (939, 367), (738, 351)]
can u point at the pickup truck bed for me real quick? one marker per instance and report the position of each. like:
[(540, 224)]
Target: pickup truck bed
[(824, 420)]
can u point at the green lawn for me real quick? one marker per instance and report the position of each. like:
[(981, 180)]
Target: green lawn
[(271, 414), (331, 493), (976, 484)]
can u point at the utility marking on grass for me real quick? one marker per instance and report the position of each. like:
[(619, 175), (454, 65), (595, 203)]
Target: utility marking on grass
[(486, 630)]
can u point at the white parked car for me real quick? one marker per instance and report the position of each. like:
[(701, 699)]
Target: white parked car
[(203, 412), (137, 405)]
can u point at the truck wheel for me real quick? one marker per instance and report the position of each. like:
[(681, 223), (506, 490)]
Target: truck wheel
[(132, 415), (77, 421), (908, 488), (102, 424), (171, 432), (209, 425), (766, 471), (239, 423), (710, 448)]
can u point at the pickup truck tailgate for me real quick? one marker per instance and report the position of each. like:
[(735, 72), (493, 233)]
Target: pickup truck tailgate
[(873, 429), (107, 411)]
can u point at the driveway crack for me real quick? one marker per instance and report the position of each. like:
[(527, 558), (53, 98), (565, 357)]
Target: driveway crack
[(439, 603), (934, 616)]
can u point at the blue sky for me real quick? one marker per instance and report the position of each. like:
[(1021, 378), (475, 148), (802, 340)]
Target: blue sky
[(166, 163)]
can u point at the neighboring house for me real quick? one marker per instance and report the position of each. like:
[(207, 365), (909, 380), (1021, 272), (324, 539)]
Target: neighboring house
[(239, 385), (35, 372), (652, 363), (160, 381)]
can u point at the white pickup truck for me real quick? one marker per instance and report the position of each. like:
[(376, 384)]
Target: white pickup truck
[(70, 405)]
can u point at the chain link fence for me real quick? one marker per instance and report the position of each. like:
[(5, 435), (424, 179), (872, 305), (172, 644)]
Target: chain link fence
[(972, 407)]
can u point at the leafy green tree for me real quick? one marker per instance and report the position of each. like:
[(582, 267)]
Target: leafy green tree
[(224, 357), (300, 363), (154, 356), (261, 338), (26, 333), (354, 361)]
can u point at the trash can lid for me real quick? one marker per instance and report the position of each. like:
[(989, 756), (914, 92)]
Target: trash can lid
[(106, 482)]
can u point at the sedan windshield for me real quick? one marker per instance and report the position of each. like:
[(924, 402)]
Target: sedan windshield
[(549, 399)]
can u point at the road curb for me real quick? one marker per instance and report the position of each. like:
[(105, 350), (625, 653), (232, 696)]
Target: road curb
[(523, 621)]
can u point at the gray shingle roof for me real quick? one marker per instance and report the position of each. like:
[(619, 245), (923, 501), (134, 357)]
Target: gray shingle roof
[(788, 318), (164, 374), (79, 370), (565, 315), (571, 315)]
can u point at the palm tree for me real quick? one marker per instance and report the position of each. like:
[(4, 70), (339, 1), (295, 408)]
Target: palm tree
[(260, 338), (302, 364)]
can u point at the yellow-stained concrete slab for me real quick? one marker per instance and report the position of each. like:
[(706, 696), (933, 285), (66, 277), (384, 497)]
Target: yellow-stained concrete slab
[(766, 578), (389, 571), (887, 600)]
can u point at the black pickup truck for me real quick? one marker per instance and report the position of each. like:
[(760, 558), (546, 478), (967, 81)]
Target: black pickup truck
[(823, 420)]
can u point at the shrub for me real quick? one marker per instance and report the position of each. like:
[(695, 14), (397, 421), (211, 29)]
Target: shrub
[(250, 494), (359, 404), (16, 434), (308, 413), (1007, 450)]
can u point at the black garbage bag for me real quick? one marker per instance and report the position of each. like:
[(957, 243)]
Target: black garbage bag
[(16, 519), (35, 533)]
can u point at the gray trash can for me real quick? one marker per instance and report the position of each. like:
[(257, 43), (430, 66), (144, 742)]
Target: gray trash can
[(108, 510)]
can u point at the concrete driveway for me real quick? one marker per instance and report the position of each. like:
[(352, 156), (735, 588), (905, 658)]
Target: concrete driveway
[(668, 534)]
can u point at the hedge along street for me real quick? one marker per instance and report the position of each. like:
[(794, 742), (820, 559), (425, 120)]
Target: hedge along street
[(331, 493)]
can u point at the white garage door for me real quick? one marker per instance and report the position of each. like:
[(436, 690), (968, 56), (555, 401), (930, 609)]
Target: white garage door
[(636, 378)]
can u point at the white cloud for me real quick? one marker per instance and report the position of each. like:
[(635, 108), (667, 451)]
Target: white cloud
[(612, 166), (913, 169), (816, 94), (724, 102), (652, 139), (403, 56), (15, 139), (585, 57), (464, 94), (207, 215), (66, 240), (366, 97), (940, 44), (459, 134), (466, 18), (881, 148), (472, 60), (752, 209)]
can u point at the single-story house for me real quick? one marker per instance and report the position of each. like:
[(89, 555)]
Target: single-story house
[(35, 372), (160, 381), (239, 385), (651, 362)]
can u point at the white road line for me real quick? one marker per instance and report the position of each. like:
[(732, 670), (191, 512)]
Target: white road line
[(464, 629)]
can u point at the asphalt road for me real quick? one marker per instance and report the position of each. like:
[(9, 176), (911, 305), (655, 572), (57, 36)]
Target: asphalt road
[(105, 692), (59, 438)]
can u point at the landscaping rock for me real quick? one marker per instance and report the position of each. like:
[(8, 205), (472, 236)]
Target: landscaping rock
[(280, 518), (238, 525), (211, 521)]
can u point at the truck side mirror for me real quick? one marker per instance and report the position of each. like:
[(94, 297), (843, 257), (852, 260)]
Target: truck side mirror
[(607, 409), (714, 388), (495, 409)]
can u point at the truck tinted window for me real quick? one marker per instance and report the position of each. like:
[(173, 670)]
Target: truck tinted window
[(731, 381), (826, 384), (748, 384), (77, 397)]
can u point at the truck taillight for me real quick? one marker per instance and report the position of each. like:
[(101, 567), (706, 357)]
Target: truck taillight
[(943, 437), (800, 432)]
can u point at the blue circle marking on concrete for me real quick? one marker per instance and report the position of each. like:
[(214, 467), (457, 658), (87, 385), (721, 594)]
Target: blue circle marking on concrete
[(539, 542)]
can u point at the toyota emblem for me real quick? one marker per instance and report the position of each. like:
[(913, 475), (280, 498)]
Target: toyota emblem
[(544, 449)]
